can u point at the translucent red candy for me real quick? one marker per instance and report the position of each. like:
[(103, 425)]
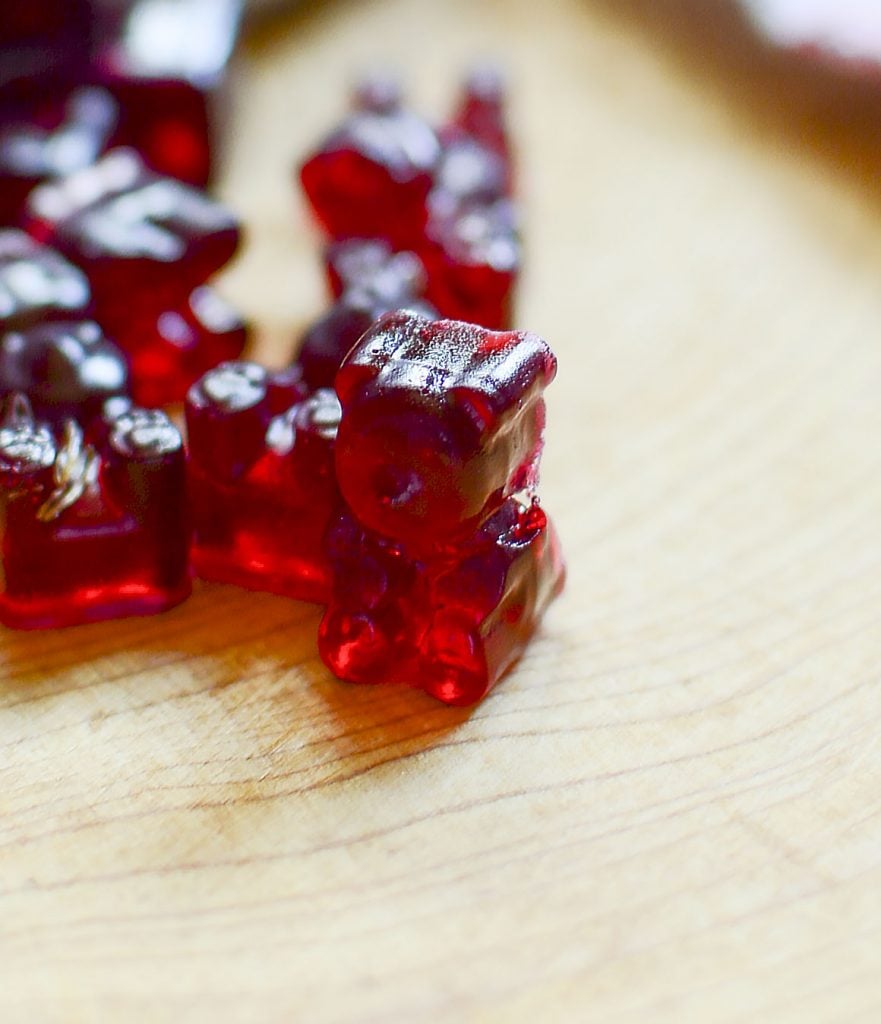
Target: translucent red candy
[(472, 246), (126, 226), (372, 281), (441, 422), (441, 574), (52, 139), (452, 623), (91, 528), (476, 162), (461, 223), (48, 348), (371, 177), (166, 63), (37, 283), (147, 244), (481, 113), (261, 479), (169, 349), (472, 257), (67, 369)]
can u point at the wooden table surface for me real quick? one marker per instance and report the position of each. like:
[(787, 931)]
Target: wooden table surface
[(671, 810)]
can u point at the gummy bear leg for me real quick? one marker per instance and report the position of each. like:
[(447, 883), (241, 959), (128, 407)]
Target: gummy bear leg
[(455, 670), (354, 646)]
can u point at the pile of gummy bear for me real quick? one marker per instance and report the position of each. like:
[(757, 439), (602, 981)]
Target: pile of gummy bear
[(388, 472)]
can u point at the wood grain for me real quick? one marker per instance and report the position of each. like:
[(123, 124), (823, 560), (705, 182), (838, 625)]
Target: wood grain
[(671, 810)]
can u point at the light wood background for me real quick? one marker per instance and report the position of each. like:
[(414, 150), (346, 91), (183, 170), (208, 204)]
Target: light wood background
[(671, 810)]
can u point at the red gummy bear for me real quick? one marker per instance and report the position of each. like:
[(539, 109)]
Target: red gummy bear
[(372, 281), (55, 139), (179, 345), (166, 63), (371, 177), (48, 348), (67, 369), (476, 162), (472, 248), (261, 480), (90, 531), (452, 624), (473, 258), (481, 113), (130, 229), (37, 284), (440, 574), (461, 223), (147, 244), (442, 421)]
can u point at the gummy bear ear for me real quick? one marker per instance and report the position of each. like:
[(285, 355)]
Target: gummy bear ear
[(231, 387), (353, 375), (27, 448), (16, 412), (145, 435)]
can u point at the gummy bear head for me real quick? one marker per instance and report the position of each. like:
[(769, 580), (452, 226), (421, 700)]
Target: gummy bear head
[(441, 420)]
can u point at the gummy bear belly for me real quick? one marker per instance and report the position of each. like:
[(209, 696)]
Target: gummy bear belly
[(251, 541)]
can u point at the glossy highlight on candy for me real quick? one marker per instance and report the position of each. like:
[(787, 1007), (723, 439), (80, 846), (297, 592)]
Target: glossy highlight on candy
[(148, 245)]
